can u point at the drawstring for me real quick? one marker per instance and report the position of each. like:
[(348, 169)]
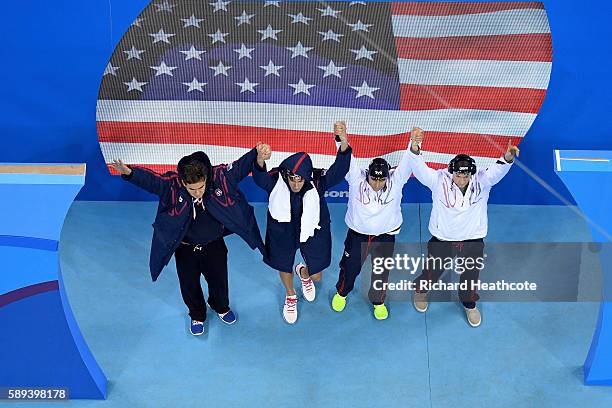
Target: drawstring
[(198, 201)]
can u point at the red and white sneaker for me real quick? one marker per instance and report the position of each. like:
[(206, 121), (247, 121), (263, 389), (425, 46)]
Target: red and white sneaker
[(308, 288), (290, 313)]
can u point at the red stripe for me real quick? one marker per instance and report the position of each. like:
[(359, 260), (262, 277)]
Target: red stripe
[(425, 97), (437, 166), (513, 47), (162, 168), (292, 141), (299, 162), (455, 8)]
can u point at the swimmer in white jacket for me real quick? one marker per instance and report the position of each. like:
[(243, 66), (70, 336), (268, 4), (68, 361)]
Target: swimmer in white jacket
[(458, 221)]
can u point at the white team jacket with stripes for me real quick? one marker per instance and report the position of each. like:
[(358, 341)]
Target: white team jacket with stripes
[(454, 216), (375, 213)]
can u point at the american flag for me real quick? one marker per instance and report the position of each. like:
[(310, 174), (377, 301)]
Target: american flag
[(219, 76)]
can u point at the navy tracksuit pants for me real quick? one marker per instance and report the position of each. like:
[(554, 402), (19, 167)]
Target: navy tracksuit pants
[(471, 248), (357, 247)]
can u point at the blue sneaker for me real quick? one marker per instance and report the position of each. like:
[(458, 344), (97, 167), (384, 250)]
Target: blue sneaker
[(197, 328), (228, 317)]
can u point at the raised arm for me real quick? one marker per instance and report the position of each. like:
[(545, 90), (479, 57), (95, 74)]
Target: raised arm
[(340, 167), (142, 177), (260, 174), (404, 168), (353, 172), (493, 174), (244, 165), (426, 175)]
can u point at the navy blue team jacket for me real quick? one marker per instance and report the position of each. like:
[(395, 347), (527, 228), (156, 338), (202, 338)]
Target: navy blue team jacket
[(223, 199), (300, 164)]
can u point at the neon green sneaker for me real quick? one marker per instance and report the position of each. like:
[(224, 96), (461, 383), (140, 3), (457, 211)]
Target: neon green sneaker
[(381, 312), (338, 302)]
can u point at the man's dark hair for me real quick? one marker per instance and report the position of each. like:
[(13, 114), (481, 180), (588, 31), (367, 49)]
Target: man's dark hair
[(194, 172), (194, 168)]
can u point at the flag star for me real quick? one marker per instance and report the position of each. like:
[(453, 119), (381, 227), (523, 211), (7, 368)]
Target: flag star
[(134, 85), (161, 36), (110, 70), (269, 32), (329, 12), (299, 18), (299, 50), (364, 90), (193, 53), (359, 26), (218, 36), (138, 21), (354, 3), (330, 35), (271, 69), (192, 21), (331, 69), (165, 6), (364, 53), (134, 53), (163, 69), (272, 3), (244, 18), (243, 51), (247, 85), (220, 5), (194, 85), (220, 69), (301, 87)]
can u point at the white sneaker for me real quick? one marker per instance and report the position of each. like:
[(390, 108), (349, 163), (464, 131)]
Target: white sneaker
[(473, 316), (290, 313), (308, 288)]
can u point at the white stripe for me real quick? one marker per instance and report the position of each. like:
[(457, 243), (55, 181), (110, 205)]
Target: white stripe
[(170, 154), (558, 159), (366, 122), (521, 21), (505, 74), (585, 159)]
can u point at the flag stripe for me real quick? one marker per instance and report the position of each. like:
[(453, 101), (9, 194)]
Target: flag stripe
[(506, 74), (281, 140), (170, 154), (517, 47), (453, 8), (163, 168), (315, 118), (524, 21), (431, 97)]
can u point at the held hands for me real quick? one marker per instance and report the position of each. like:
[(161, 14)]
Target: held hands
[(120, 167), (340, 130), (416, 136), (511, 152), (264, 152)]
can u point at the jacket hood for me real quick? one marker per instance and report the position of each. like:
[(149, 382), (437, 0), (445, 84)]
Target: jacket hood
[(300, 164), (195, 156)]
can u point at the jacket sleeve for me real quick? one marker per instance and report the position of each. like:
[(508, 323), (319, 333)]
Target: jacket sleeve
[(339, 168), (494, 173), (355, 172), (426, 175), (149, 180), (404, 168), (262, 178), (241, 168)]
